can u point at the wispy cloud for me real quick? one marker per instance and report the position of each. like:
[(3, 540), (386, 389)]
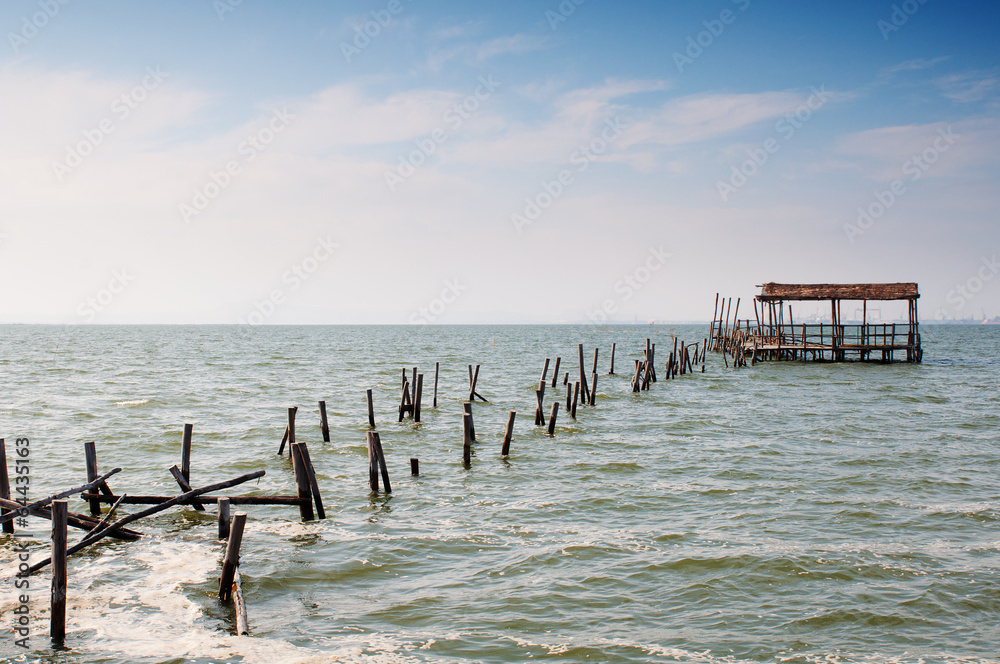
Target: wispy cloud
[(516, 44), (968, 88)]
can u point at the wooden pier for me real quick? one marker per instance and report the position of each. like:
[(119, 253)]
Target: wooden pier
[(773, 335)]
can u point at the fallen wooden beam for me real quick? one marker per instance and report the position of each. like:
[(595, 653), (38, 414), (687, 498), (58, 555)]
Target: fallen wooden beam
[(233, 500), (69, 492)]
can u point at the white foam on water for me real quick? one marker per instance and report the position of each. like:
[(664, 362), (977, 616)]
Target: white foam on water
[(134, 402)]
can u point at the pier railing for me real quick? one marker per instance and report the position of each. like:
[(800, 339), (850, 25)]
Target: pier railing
[(820, 341)]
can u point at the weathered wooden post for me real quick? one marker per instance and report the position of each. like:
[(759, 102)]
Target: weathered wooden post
[(593, 388), (552, 418), (313, 484), (467, 409), (437, 370), (505, 450), (185, 487), (223, 518), (323, 422), (583, 374), (303, 488), (576, 398), (289, 430), (419, 395), (186, 452), (371, 410), (232, 558), (414, 466), (90, 452), (57, 620), (612, 372), (467, 435), (545, 370), (555, 372)]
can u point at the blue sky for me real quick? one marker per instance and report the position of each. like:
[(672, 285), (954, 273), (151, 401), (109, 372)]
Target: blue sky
[(515, 162)]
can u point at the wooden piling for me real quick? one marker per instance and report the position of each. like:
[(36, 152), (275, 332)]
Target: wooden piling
[(223, 518), (545, 370), (186, 452), (414, 466), (8, 526), (417, 397), (232, 558), (583, 374), (372, 462), (552, 418), (508, 432), (467, 408), (90, 452), (324, 424), (380, 458), (467, 434), (57, 618), (289, 430), (612, 372), (566, 378), (239, 603), (303, 488), (371, 410), (594, 370), (555, 372), (593, 388), (576, 398), (313, 484), (437, 370)]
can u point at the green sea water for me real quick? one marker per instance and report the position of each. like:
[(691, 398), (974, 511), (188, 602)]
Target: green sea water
[(787, 512)]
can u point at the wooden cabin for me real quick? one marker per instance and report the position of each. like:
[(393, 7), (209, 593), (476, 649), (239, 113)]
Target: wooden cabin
[(773, 333)]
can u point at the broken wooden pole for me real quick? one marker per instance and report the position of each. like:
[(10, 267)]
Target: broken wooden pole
[(467, 408), (183, 484), (289, 430), (223, 518), (417, 397), (232, 557), (80, 521), (57, 619), (8, 526), (566, 378), (583, 375), (555, 372), (324, 424), (473, 381), (38, 504), (508, 432), (186, 452), (302, 485), (313, 484), (545, 370), (371, 410), (240, 604), (612, 372), (552, 418), (437, 370), (405, 404), (539, 407)]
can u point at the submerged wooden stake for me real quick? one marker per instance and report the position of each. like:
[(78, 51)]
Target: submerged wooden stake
[(612, 372), (555, 372), (371, 410), (289, 430), (416, 399), (185, 487), (8, 526), (223, 518), (324, 424), (313, 484), (242, 623), (414, 466), (57, 619), (302, 484), (437, 370), (552, 418), (186, 452)]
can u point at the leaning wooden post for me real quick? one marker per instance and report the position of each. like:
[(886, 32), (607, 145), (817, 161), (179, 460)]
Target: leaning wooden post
[(185, 487), (302, 483), (313, 484), (612, 372), (371, 410), (467, 408), (372, 463), (545, 370), (552, 418), (324, 424), (539, 399), (555, 372), (8, 526), (594, 370), (186, 452), (593, 388), (583, 374), (437, 370), (232, 557), (576, 398), (57, 620), (223, 518), (505, 450), (242, 622)]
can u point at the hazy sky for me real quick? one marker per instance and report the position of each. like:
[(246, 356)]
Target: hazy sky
[(395, 161)]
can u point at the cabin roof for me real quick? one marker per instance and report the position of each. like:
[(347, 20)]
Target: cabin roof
[(899, 291)]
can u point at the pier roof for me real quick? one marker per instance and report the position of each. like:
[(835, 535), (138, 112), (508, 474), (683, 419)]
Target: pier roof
[(898, 291)]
